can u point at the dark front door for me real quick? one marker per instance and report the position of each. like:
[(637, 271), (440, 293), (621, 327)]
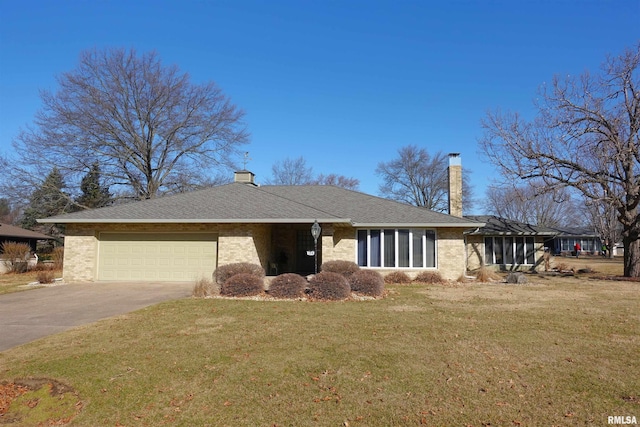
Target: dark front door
[(305, 259)]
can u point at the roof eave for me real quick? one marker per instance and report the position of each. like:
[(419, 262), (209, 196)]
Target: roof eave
[(418, 225), (195, 221), (510, 233)]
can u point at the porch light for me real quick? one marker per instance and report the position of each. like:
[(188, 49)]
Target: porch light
[(315, 232)]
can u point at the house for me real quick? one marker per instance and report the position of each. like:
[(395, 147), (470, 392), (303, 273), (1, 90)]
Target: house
[(565, 239), (11, 233), (186, 236), (505, 243)]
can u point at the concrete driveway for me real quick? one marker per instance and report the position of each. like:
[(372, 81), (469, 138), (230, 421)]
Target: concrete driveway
[(29, 315)]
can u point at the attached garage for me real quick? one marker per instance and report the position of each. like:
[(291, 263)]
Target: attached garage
[(163, 257)]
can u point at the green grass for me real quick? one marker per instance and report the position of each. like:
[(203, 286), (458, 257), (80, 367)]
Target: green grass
[(549, 353)]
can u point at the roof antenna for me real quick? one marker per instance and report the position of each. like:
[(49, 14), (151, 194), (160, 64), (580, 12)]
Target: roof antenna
[(246, 160)]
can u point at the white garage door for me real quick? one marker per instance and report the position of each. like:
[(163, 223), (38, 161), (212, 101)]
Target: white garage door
[(165, 257)]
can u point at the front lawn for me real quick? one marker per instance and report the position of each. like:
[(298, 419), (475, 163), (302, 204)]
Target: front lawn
[(15, 282), (550, 352)]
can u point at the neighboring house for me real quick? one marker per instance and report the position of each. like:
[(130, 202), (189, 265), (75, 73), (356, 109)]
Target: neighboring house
[(506, 244), (565, 240), (11, 233), (186, 236)]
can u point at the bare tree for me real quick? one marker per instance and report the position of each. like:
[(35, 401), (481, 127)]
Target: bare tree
[(8, 213), (291, 172), (296, 172), (604, 218), (147, 125), (417, 178), (585, 136), (532, 205), (337, 180)]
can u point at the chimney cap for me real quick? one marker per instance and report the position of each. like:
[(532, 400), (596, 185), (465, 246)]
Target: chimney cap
[(455, 159)]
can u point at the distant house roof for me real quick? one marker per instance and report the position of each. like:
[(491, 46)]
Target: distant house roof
[(8, 231), (495, 225), (242, 203), (575, 232)]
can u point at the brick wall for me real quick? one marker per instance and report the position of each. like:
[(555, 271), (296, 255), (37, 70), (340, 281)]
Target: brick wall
[(80, 253), (253, 243), (451, 253), (475, 252)]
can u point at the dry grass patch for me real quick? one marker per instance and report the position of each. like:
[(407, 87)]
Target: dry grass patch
[(548, 353), (16, 282)]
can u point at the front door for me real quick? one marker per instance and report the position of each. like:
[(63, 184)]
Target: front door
[(305, 258)]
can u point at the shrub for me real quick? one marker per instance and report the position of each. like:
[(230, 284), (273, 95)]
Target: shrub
[(329, 286), (225, 272), (242, 285), (397, 277), (205, 288), (463, 278), (57, 256), (15, 256), (288, 285), (45, 276), (430, 277), (486, 275), (367, 282), (345, 268)]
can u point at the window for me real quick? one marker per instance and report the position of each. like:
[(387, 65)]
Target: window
[(509, 250), (397, 248), (374, 252), (403, 248)]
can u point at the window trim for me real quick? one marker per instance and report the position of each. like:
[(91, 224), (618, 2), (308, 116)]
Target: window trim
[(381, 232), (519, 245)]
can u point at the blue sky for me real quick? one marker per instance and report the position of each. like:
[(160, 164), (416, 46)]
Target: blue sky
[(344, 84)]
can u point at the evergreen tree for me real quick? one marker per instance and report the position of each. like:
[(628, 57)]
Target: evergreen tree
[(94, 194), (47, 200)]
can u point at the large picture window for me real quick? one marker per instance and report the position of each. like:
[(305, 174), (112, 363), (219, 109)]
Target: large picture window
[(397, 248), (509, 250)]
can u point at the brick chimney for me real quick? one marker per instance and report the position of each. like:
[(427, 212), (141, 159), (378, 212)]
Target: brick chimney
[(244, 177), (455, 185)]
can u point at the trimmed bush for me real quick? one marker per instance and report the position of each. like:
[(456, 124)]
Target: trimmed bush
[(430, 277), (45, 276), (345, 268), (225, 272), (397, 277), (288, 285), (242, 285), (15, 256), (367, 282), (329, 286)]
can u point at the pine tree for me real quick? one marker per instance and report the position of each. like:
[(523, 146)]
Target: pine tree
[(47, 200), (94, 194)]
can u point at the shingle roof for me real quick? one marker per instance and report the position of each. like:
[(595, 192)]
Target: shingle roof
[(8, 230), (502, 226), (575, 232), (243, 203)]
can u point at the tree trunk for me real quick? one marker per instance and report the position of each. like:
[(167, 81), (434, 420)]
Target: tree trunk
[(631, 257)]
